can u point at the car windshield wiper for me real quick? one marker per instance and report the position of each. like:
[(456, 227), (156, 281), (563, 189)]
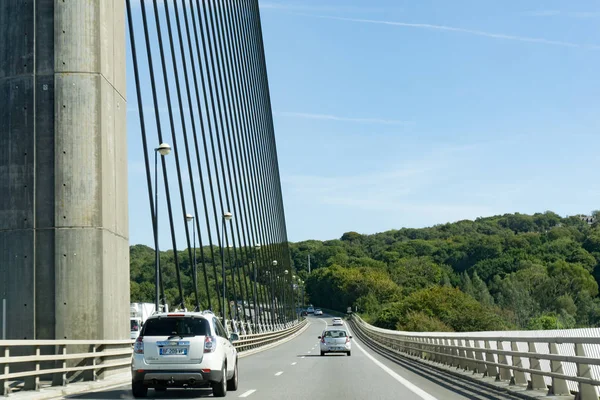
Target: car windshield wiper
[(180, 336)]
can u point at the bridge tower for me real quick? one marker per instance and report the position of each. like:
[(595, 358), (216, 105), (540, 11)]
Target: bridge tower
[(64, 247)]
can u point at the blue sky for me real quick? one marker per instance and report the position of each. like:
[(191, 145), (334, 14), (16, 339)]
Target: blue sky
[(392, 113)]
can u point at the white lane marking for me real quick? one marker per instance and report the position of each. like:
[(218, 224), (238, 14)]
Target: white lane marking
[(413, 388), (308, 351), (279, 373), (248, 393), (294, 363), (303, 357)]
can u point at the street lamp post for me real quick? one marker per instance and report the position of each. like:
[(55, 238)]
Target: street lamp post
[(190, 218), (285, 307), (303, 289), (164, 149), (273, 294), (296, 295), (257, 248), (226, 217)]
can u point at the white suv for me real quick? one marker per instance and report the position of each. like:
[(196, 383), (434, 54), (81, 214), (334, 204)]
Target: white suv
[(184, 350)]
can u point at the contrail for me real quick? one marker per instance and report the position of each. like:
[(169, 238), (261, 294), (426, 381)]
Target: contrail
[(461, 30)]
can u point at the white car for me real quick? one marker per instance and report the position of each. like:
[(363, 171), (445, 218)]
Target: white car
[(335, 340), (184, 350), (310, 310), (318, 312), (337, 322)]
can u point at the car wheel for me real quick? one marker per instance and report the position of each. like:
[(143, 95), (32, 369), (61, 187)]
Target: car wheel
[(139, 390), (348, 354), (232, 384), (220, 388), (322, 353)]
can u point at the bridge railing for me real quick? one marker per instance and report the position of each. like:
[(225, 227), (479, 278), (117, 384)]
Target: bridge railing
[(27, 364), (34, 364), (563, 362)]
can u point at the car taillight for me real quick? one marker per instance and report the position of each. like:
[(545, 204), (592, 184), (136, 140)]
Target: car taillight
[(347, 340), (210, 344), (138, 347), (323, 339)]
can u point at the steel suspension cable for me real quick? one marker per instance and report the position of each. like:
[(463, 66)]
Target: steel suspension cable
[(261, 157), (241, 156), (225, 128), (257, 195), (233, 128), (163, 162), (142, 120)]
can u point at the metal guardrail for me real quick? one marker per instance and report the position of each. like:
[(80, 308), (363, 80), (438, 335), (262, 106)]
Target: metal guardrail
[(563, 362), (31, 364), (51, 360), (248, 342)]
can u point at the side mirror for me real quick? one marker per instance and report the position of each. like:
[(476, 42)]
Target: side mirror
[(350, 337), (319, 337), (234, 337)]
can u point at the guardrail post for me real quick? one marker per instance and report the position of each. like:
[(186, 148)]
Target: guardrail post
[(94, 375), (33, 382), (518, 376), (411, 342), (5, 387), (60, 378), (504, 374), (479, 366), (410, 346), (469, 364), (559, 386), (435, 350), (451, 351), (404, 344), (444, 349), (460, 363), (426, 349), (392, 341), (537, 380), (490, 370), (586, 391), (422, 348)]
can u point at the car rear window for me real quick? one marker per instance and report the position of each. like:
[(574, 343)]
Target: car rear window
[(335, 334), (176, 326)]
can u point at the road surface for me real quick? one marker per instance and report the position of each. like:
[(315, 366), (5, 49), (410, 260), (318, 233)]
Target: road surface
[(295, 370)]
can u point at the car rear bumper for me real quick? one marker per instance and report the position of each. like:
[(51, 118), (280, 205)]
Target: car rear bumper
[(174, 378), (335, 349)]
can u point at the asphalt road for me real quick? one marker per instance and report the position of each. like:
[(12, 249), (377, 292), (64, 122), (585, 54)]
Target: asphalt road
[(295, 370)]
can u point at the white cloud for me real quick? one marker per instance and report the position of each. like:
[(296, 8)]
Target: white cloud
[(543, 13), (385, 188), (461, 30), (557, 13), (343, 119), (268, 5)]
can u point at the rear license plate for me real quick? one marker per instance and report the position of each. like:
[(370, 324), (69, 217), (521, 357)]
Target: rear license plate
[(173, 351)]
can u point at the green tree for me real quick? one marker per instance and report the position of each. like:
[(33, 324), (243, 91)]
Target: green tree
[(421, 322), (480, 291), (545, 322)]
